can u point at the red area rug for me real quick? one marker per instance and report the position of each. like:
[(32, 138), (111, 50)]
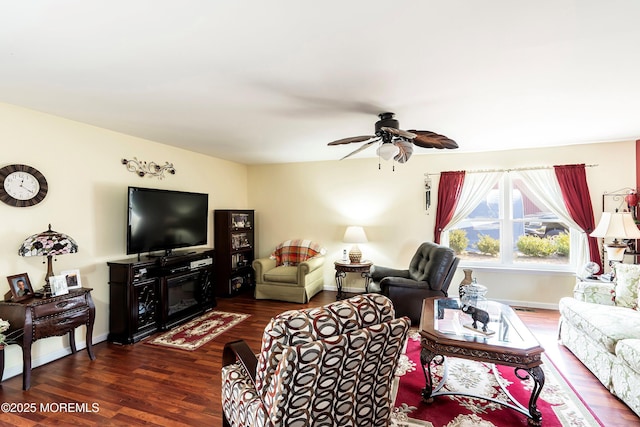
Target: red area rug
[(558, 403), (198, 331)]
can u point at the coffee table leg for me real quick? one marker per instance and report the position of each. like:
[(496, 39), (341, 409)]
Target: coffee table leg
[(426, 357), (537, 375)]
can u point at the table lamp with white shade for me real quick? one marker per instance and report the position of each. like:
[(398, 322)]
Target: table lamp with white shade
[(616, 225), (355, 234)]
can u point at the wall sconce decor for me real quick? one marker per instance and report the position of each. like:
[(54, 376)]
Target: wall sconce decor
[(49, 243), (142, 168)]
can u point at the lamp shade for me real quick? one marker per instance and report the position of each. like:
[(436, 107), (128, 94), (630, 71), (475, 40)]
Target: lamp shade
[(618, 225), (387, 150), (355, 234), (48, 243)]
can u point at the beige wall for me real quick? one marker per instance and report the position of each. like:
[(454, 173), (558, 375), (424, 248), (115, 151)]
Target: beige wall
[(87, 200), (318, 200)]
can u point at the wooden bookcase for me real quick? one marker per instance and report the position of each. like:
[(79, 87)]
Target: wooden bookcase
[(234, 244)]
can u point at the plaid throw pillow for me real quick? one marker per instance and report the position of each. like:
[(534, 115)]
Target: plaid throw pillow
[(293, 252)]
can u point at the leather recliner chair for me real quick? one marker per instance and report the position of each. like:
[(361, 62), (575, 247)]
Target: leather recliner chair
[(429, 275)]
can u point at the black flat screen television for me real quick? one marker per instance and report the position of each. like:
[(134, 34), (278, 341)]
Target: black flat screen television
[(164, 220)]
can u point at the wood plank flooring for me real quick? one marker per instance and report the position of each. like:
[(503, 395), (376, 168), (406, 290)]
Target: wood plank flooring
[(142, 384)]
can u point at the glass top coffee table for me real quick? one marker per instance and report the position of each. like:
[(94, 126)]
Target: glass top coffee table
[(447, 330)]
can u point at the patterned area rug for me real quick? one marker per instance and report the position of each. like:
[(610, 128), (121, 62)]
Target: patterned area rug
[(558, 403), (198, 331)]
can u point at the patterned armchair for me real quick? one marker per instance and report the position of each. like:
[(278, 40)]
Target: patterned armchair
[(292, 273), (331, 365)]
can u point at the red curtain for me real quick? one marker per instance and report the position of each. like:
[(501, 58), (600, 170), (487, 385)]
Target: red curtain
[(575, 192), (449, 190)]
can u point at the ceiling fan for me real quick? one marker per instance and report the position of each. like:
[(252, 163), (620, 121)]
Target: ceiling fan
[(395, 142)]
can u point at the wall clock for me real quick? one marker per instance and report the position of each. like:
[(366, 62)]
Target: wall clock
[(22, 185)]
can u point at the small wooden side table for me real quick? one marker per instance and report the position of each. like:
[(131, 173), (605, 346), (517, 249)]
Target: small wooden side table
[(47, 317), (344, 267)]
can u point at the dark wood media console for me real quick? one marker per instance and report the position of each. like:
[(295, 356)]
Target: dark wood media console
[(151, 294)]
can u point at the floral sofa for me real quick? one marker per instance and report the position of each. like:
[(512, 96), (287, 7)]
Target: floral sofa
[(601, 326)]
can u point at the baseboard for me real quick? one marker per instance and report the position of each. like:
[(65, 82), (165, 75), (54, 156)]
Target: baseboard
[(529, 304), (50, 357), (513, 303), (344, 289)]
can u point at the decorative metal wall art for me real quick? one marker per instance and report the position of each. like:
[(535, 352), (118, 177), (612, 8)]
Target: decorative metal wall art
[(152, 169)]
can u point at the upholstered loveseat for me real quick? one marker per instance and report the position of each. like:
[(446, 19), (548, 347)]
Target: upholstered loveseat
[(601, 326)]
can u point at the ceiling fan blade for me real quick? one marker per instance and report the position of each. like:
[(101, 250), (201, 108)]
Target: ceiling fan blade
[(363, 147), (428, 139), (398, 132), (352, 139), (406, 149)]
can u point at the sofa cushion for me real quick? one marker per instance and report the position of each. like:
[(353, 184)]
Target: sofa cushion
[(282, 274), (628, 352), (627, 279), (604, 324), (596, 292), (293, 252)]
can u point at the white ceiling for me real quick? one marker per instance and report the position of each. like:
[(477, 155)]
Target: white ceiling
[(275, 81)]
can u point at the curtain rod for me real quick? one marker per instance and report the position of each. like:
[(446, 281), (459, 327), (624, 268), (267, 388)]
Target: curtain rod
[(507, 170)]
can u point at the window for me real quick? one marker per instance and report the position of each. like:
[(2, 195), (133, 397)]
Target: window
[(512, 227)]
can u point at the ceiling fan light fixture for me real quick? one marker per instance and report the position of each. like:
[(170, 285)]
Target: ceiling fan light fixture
[(387, 150), (394, 142)]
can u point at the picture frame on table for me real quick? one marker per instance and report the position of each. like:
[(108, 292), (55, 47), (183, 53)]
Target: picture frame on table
[(58, 285), (73, 278), (20, 286)]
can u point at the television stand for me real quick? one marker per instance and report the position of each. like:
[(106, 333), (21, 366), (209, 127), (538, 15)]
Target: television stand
[(169, 253), (158, 293)]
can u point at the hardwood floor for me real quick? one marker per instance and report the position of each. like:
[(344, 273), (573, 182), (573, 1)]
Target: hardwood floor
[(142, 384)]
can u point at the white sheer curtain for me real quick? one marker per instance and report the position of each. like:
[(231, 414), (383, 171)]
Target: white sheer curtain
[(475, 188), (544, 184)]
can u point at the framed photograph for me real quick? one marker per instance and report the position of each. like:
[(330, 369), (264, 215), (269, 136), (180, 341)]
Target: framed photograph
[(73, 278), (58, 285), (20, 286)]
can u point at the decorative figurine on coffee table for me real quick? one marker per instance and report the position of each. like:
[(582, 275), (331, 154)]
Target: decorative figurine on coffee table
[(480, 316)]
